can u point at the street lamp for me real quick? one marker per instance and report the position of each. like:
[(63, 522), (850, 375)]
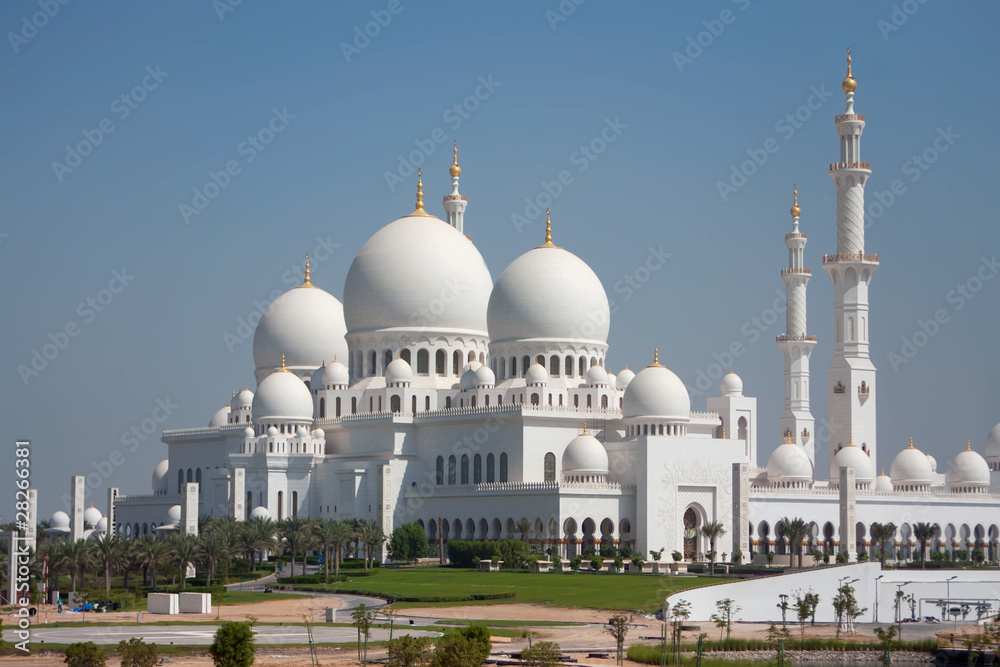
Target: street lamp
[(948, 584), (875, 615), (899, 599)]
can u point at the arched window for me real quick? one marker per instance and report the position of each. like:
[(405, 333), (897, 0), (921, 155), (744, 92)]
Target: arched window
[(281, 508), (190, 475), (590, 402), (550, 399), (465, 469), (404, 355), (452, 470), (322, 408), (540, 360), (525, 363), (534, 399), (503, 369), (550, 467), (386, 359), (554, 365), (413, 405), (582, 368), (499, 400), (197, 476), (427, 402), (472, 355), (394, 403), (423, 361), (180, 481), (373, 369), (604, 402), (503, 467), (569, 366), (513, 367), (576, 401), (486, 400), (447, 402), (440, 362), (473, 402), (354, 405), (477, 469), (439, 479), (490, 466), (337, 406), (456, 363), (295, 504)]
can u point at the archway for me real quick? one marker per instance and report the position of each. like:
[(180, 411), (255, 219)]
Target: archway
[(692, 527)]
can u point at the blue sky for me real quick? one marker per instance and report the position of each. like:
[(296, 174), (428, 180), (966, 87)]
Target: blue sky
[(200, 77)]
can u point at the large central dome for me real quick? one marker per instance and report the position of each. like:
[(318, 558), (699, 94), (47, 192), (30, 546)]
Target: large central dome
[(420, 274)]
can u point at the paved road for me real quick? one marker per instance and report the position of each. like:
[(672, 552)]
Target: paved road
[(201, 635)]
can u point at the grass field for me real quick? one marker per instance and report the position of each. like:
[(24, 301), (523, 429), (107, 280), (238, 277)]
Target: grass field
[(596, 591)]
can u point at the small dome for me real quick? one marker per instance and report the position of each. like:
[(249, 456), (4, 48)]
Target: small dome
[(102, 525), (302, 432), (282, 396), (536, 374), (597, 376), (789, 463), (160, 477), (243, 399), (335, 373), (319, 434), (471, 366), (933, 462), (398, 371), (174, 514), (731, 385), (911, 467), (993, 443), (657, 393), (585, 455), (969, 469), (883, 484), (853, 456), (272, 432), (59, 520), (260, 513), (220, 418), (612, 380), (623, 378), (91, 516), (248, 432), (485, 377), (468, 380)]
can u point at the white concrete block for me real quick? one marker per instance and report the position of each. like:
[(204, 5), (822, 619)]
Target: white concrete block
[(195, 603), (162, 603)]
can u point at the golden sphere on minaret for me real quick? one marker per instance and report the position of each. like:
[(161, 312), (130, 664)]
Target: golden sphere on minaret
[(850, 84), (455, 169), (795, 210)]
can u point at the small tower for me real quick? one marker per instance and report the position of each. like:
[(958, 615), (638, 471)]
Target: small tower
[(795, 344), (851, 376), (455, 203)]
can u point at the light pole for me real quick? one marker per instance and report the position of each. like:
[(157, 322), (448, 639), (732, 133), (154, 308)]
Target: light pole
[(948, 584), (899, 599), (875, 616)]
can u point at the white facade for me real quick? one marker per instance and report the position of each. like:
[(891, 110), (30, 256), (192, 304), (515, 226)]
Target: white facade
[(434, 395)]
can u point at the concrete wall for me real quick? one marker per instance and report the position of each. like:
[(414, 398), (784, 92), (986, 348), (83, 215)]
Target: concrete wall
[(195, 603), (162, 603)]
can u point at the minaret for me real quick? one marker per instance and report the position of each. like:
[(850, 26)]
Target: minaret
[(795, 344), (851, 377), (455, 203)]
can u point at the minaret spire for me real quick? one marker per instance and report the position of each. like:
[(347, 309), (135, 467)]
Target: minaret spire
[(419, 210), (851, 377), (548, 231), (455, 203), (306, 283), (796, 344)]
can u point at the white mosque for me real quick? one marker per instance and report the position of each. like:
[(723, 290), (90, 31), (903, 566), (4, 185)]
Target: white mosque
[(434, 395)]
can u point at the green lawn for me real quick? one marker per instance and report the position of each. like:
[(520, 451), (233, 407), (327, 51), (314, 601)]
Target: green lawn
[(597, 591)]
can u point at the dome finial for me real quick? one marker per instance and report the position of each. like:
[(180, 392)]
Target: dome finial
[(795, 211), (968, 446), (455, 170), (656, 359), (548, 231), (911, 442), (306, 282), (234, 393), (419, 210), (283, 369), (850, 84), (585, 428), (851, 443)]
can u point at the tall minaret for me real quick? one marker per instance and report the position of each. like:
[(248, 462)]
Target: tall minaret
[(455, 203), (851, 377), (795, 344)]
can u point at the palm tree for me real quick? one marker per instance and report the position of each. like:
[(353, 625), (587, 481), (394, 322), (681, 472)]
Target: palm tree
[(795, 530), (150, 552), (327, 536), (228, 531), (108, 556), (882, 533), (74, 557), (924, 532), (371, 537), (298, 539), (343, 533), (523, 528), (183, 552), (713, 530), (212, 548)]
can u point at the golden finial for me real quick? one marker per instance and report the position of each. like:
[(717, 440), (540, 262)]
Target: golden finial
[(234, 393), (883, 471), (455, 170), (306, 282), (968, 446), (796, 211), (849, 85), (851, 443), (723, 432), (548, 231), (656, 358), (419, 210), (911, 442), (334, 358), (585, 428), (283, 369), (788, 437)]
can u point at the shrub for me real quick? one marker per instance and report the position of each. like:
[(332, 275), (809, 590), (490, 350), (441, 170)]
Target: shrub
[(575, 562), (85, 654), (619, 564), (408, 543), (637, 561), (597, 563), (556, 560), (408, 651), (608, 551), (677, 556), (542, 654), (233, 645), (137, 653), (465, 647)]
